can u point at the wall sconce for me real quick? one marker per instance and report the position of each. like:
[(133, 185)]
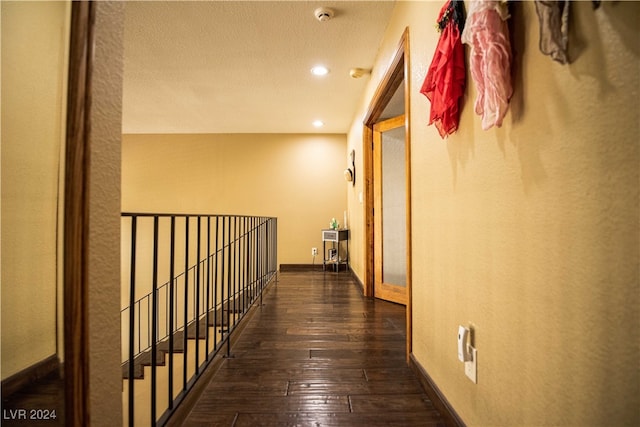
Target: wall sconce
[(350, 173), (357, 73)]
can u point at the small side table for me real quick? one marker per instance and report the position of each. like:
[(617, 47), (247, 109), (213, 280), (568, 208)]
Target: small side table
[(335, 256)]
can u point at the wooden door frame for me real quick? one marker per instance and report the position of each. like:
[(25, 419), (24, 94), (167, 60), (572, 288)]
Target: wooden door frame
[(76, 215), (397, 74)]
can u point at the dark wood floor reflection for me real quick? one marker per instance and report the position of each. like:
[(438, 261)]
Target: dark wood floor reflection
[(317, 353), (40, 404)]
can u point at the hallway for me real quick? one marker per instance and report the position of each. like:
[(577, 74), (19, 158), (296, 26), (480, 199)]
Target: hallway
[(317, 353)]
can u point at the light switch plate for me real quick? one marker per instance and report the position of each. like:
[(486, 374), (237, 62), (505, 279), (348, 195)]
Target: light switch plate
[(471, 367)]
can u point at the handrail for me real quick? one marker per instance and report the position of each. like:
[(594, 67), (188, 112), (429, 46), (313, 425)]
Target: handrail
[(223, 264)]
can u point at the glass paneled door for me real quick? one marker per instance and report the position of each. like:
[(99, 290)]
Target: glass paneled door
[(390, 209)]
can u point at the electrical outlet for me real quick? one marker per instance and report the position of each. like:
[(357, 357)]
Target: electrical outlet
[(471, 367), (314, 251)]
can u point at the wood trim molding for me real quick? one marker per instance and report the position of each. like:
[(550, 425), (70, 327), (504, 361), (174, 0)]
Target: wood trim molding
[(76, 205), (369, 267), (450, 416), (301, 267), (30, 375), (407, 114), (356, 279), (392, 79)]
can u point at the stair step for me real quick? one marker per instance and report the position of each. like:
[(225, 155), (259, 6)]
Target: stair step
[(163, 348), (217, 318)]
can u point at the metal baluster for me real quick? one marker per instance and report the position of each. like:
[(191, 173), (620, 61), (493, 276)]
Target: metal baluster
[(228, 299), (132, 318), (186, 302), (172, 256), (223, 282), (208, 287), (239, 281), (245, 260), (249, 260), (215, 288), (235, 272), (245, 271), (154, 322), (275, 248), (260, 249), (196, 308)]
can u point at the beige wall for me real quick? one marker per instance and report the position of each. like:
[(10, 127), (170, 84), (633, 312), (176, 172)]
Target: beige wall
[(529, 232), (34, 64), (296, 178), (105, 392), (34, 71)]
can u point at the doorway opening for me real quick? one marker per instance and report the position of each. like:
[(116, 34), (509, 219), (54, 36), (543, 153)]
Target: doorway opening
[(391, 99)]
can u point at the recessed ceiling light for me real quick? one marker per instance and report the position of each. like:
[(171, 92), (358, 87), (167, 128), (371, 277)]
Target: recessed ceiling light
[(318, 123), (319, 70)]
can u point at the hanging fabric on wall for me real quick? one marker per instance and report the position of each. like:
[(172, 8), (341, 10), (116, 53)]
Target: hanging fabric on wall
[(553, 17), (445, 79), (487, 34)]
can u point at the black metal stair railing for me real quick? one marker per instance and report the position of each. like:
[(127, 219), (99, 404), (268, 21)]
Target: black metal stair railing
[(189, 277)]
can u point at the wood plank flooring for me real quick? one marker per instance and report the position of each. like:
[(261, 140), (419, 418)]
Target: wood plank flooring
[(40, 404), (317, 353)]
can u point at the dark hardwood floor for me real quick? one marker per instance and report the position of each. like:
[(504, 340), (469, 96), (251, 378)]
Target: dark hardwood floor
[(40, 404), (317, 353)]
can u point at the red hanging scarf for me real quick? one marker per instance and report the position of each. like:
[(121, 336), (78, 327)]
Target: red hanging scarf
[(445, 80)]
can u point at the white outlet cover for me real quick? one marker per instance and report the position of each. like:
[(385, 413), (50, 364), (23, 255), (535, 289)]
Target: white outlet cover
[(471, 367)]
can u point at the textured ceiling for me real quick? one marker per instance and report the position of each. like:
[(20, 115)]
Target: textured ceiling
[(244, 66)]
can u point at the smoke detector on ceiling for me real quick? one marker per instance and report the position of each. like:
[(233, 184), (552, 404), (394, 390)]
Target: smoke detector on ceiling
[(323, 14)]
